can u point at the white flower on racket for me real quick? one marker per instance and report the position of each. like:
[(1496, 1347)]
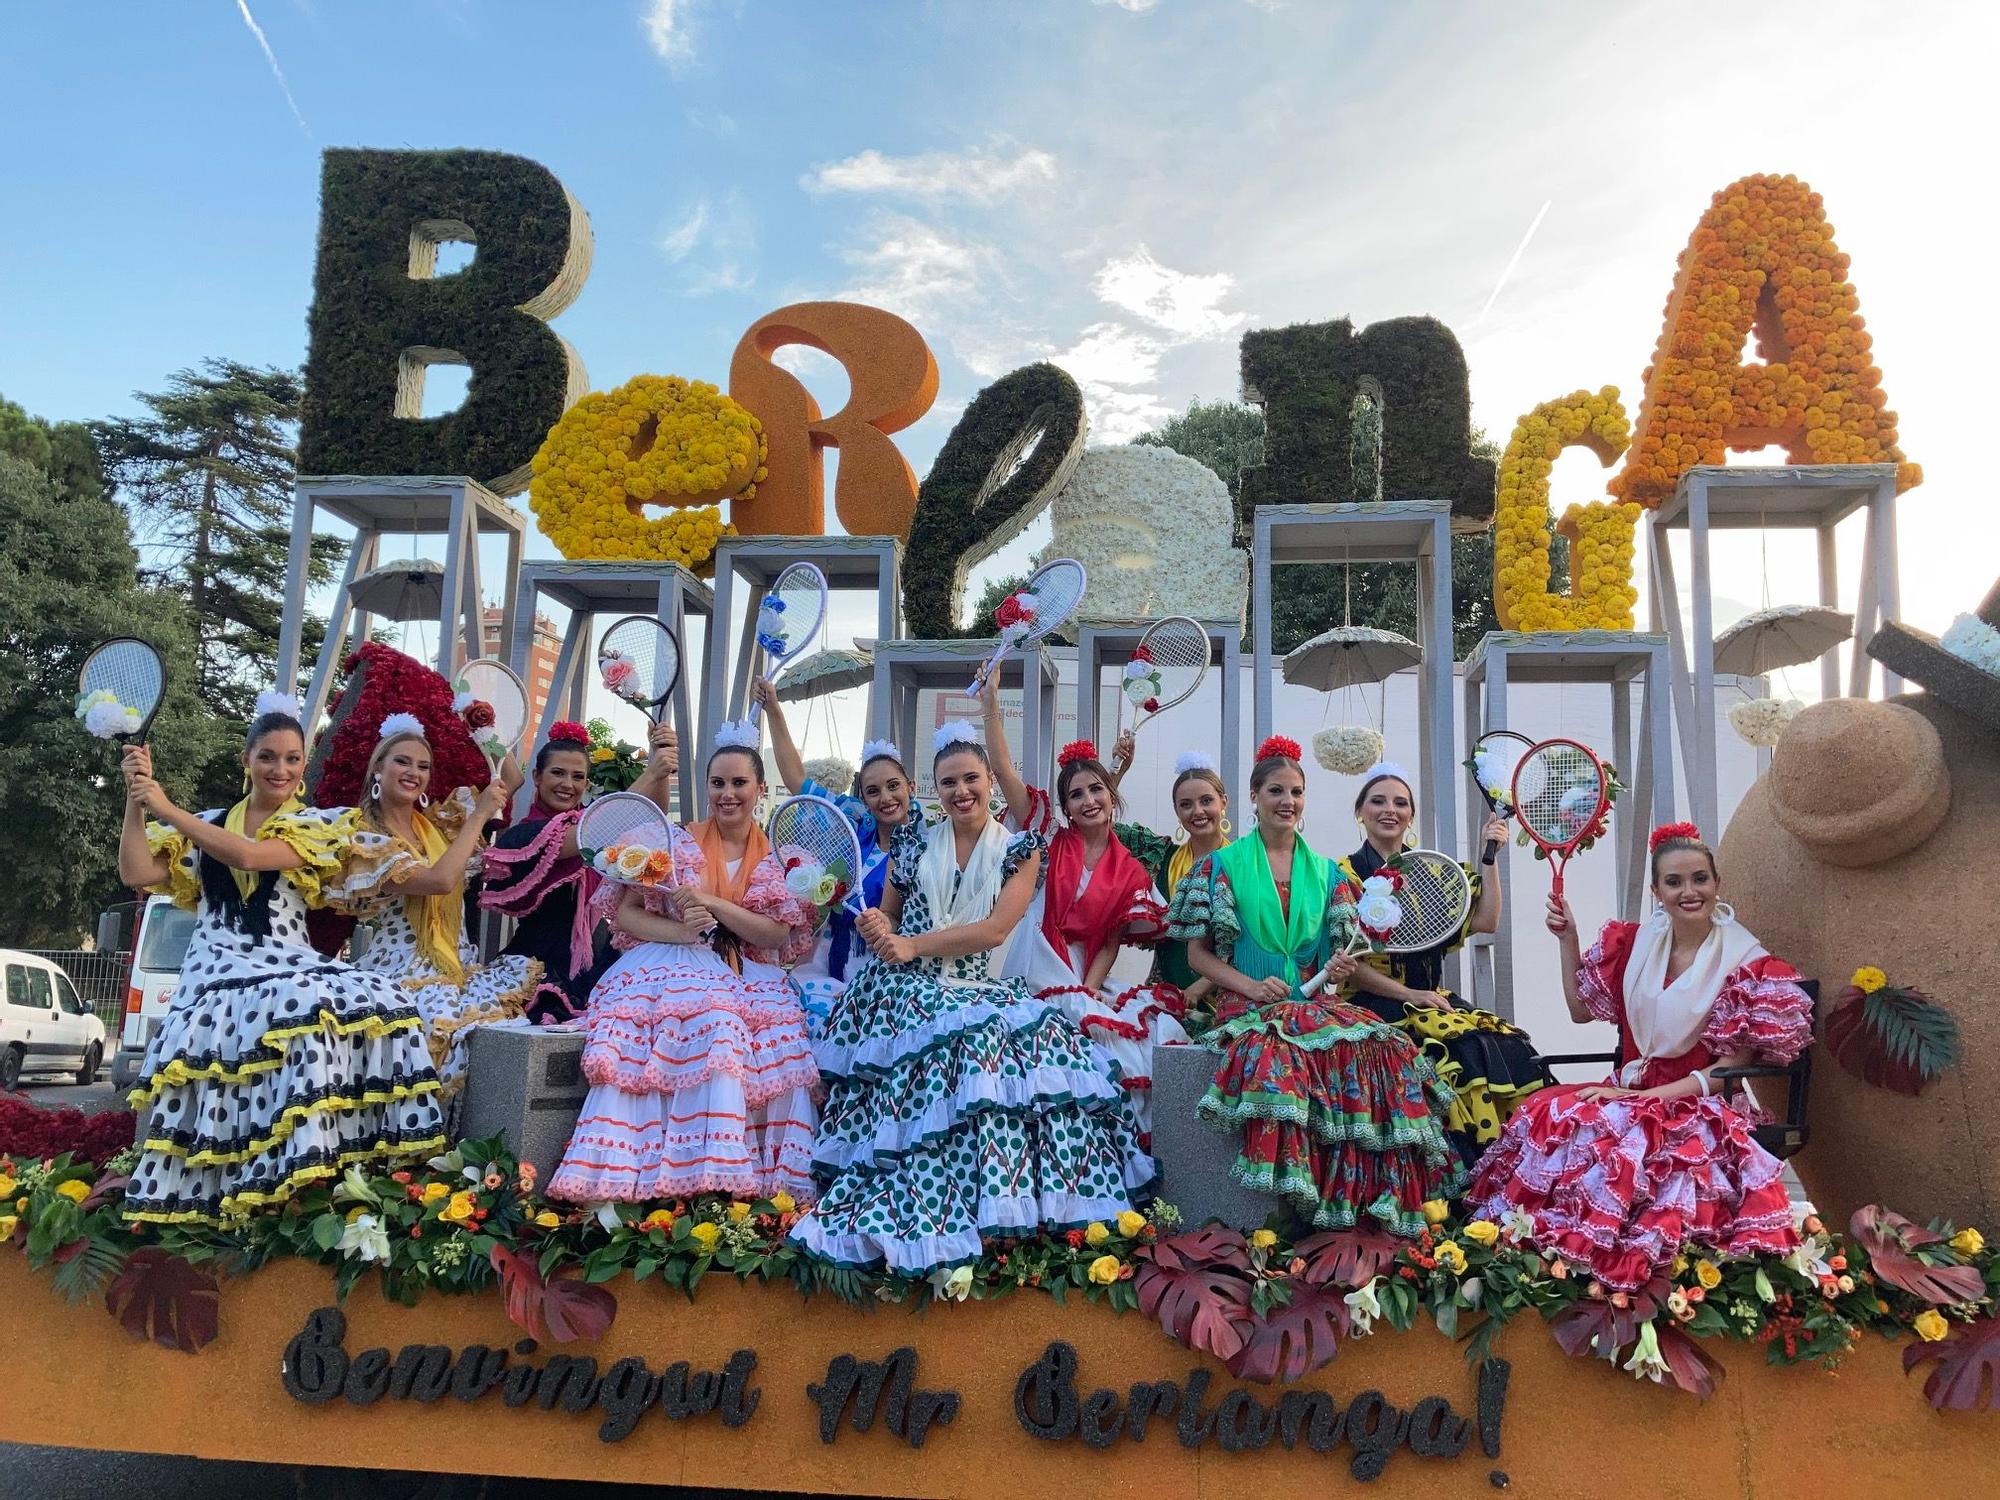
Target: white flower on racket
[(103, 715), (802, 881), (1378, 910), (1491, 770)]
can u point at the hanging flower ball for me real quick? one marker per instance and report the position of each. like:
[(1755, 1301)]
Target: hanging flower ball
[(1349, 749), (1762, 721)]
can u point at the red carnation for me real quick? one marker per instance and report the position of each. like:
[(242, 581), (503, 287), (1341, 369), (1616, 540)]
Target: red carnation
[(1009, 612), (1668, 831), (1142, 653), (568, 729), (478, 714), (1278, 747), (1152, 705), (1076, 750)]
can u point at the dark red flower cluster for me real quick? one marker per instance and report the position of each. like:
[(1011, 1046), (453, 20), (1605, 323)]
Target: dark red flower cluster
[(1011, 612), (1279, 747), (31, 1134), (1076, 750), (568, 730), (1142, 652), (478, 714), (380, 682)]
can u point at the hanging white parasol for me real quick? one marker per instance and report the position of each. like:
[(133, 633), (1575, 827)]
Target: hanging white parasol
[(412, 589), (1790, 635), (1350, 654), (825, 672)]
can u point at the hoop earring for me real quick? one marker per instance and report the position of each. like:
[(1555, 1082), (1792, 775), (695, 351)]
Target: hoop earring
[(423, 799), (1226, 829), (1180, 834), (246, 780), (1725, 914), (375, 790)]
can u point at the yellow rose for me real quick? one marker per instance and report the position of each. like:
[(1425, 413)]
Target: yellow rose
[(1869, 979), (1263, 1239), (1451, 1257), (1708, 1273), (7, 1186), (1104, 1270), (1482, 1231), (460, 1209), (1930, 1325), (784, 1203), (659, 1218), (705, 1235), (1130, 1224), (7, 1223), (1436, 1210), (1096, 1235), (547, 1219), (1968, 1241), (73, 1190), (436, 1190), (738, 1212)]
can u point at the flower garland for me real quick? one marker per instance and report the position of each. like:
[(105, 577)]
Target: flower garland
[(1601, 595), (1762, 259), (1142, 680), (655, 440), (452, 1223)]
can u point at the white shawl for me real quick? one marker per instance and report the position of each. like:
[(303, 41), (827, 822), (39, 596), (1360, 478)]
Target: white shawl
[(959, 902), (1666, 1020)]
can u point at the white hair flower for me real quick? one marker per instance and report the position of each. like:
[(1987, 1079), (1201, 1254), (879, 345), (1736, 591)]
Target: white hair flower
[(1193, 760), (953, 732), (395, 724), (270, 702), (880, 749), (737, 734)]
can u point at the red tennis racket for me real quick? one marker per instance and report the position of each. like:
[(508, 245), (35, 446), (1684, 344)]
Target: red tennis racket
[(1562, 794)]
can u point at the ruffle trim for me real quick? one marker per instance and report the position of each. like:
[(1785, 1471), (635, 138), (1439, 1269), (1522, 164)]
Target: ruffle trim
[(287, 1124), (1013, 1214), (182, 886), (1038, 1092), (179, 1072), (1763, 1011), (237, 1206)]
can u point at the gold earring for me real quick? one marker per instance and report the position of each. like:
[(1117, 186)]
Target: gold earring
[(1225, 825)]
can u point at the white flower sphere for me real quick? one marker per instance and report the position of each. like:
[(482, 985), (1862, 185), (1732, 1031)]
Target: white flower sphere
[(831, 772), (1153, 529), (1348, 749), (1762, 721)]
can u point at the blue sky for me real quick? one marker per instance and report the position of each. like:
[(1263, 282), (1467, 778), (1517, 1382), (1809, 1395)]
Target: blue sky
[(1121, 185)]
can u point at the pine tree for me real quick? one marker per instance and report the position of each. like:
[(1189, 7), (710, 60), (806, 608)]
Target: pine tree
[(208, 478), (68, 581)]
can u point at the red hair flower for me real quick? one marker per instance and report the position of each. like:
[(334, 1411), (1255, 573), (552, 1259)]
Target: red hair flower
[(478, 714), (568, 729), (1076, 750), (1277, 747), (1668, 831)]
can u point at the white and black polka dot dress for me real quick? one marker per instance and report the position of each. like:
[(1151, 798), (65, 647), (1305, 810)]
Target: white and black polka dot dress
[(275, 1067)]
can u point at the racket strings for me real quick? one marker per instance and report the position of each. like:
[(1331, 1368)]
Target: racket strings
[(1058, 590), (1560, 794), (1436, 900), (495, 685), (651, 649), (1180, 650), (622, 818), (800, 593), (131, 674)]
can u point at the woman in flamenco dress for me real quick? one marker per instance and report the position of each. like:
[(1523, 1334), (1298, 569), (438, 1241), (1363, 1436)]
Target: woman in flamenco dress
[(535, 875), (701, 1077), (1621, 1177), (403, 871), (1201, 826), (1340, 1115), (881, 800), (274, 1067), (959, 1106), (1094, 899), (1489, 1064)]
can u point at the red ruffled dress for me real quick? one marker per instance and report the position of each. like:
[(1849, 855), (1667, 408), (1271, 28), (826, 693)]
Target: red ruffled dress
[(701, 1076), (1621, 1186)]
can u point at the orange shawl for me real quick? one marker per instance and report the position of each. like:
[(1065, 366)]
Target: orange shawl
[(715, 876)]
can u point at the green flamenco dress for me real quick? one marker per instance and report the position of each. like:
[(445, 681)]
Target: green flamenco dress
[(1340, 1115), (959, 1106)]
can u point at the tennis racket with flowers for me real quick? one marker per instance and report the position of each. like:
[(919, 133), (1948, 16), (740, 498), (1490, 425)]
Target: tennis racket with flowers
[(625, 838), (819, 849), (1562, 795), (1031, 613), (1494, 760), (489, 696), (639, 661), (120, 690), (1416, 901), (790, 617), (1166, 667)]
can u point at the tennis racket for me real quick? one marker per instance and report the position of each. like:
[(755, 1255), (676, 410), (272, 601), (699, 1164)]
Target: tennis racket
[(639, 660), (120, 690), (1166, 667), (1043, 605), (1561, 794), (1495, 758), (489, 680), (817, 833), (1430, 908), (790, 617), (610, 828)]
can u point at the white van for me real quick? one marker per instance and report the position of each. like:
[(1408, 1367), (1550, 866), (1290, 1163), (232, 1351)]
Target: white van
[(45, 1028), (158, 949)]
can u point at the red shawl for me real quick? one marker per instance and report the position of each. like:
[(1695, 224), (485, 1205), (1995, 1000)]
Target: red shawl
[(1102, 912)]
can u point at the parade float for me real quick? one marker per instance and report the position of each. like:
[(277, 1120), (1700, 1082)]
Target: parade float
[(444, 1315)]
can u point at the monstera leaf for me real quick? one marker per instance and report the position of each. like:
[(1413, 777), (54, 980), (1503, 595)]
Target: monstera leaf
[(1687, 1366), (1595, 1326), (1347, 1258), (161, 1297), (562, 1308), (1293, 1339), (1896, 1039), (1967, 1376), (1892, 1243), (1197, 1287)]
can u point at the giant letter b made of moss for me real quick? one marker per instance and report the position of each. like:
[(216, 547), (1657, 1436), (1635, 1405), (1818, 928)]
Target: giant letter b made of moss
[(380, 316)]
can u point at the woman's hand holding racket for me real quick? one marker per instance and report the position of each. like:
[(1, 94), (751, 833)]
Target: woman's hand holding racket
[(1495, 834), (1559, 918), (662, 741)]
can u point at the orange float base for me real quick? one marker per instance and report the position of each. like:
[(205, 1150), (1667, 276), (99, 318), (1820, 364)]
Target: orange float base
[(1568, 1428)]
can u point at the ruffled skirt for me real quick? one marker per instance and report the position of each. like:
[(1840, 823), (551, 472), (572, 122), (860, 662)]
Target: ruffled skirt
[(701, 1081), (496, 994), (1340, 1115), (1489, 1064), (1622, 1186), (958, 1110), (1125, 1025), (275, 1068)]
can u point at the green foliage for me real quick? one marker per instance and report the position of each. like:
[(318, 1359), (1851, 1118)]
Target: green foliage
[(1228, 437), (1010, 453), (68, 580), (368, 310), (207, 477)]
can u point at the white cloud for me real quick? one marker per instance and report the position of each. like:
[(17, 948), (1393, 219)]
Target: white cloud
[(981, 176), (668, 25), (715, 244), (914, 269), (1184, 304), (1136, 7), (1116, 367)]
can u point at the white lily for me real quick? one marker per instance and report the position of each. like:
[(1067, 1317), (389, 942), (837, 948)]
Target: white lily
[(354, 1188), (1470, 1290), (1645, 1363), (954, 1285), (607, 1215), (1363, 1308), (1518, 1225), (365, 1239)]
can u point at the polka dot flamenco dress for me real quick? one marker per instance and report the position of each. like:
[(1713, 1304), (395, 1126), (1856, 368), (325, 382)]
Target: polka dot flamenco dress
[(959, 1106), (275, 1067)]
